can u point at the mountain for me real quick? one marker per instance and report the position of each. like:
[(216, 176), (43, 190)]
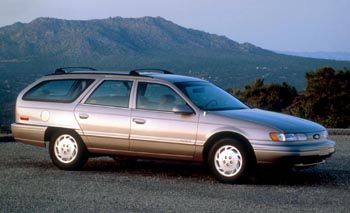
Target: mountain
[(115, 36), (341, 56), (30, 50)]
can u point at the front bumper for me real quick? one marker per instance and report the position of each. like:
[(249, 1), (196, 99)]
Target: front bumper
[(29, 134), (294, 153)]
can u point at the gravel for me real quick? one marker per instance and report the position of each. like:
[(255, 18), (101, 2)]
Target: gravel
[(30, 183)]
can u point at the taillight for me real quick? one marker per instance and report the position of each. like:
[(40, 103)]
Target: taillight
[(24, 118)]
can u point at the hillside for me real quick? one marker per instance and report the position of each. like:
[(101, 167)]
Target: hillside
[(126, 43), (109, 37)]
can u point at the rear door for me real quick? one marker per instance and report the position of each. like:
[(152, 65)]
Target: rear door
[(104, 116)]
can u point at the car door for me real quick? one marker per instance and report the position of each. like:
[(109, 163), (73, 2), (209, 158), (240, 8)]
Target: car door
[(104, 116), (156, 131)]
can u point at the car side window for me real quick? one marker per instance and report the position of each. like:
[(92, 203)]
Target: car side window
[(111, 93), (62, 90), (156, 97)]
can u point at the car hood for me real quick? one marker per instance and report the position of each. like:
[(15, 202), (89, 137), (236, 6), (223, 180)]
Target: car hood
[(279, 121)]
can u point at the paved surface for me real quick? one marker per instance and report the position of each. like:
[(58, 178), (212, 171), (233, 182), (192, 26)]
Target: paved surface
[(30, 183)]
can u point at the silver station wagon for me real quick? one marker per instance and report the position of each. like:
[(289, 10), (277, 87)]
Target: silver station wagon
[(160, 115)]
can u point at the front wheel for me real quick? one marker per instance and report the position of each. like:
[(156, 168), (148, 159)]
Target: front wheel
[(230, 160), (67, 151)]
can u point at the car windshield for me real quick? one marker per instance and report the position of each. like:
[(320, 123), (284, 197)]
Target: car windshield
[(209, 97)]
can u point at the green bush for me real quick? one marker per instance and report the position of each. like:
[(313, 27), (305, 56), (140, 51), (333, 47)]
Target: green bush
[(326, 98), (274, 97)]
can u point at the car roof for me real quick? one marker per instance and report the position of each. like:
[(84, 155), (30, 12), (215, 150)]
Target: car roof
[(146, 73), (173, 78)]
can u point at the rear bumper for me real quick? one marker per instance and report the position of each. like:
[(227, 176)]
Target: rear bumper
[(294, 153), (29, 134)]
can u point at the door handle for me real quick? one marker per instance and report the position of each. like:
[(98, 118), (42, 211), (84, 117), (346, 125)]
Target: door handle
[(139, 121), (83, 116)]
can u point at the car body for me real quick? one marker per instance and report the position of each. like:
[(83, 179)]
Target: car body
[(156, 114)]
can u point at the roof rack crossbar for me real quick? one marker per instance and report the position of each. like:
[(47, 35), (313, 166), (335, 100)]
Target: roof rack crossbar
[(62, 70), (137, 72), (90, 70)]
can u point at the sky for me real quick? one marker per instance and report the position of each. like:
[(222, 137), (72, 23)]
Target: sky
[(283, 25)]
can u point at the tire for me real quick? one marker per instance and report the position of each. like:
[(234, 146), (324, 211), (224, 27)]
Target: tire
[(231, 161), (67, 150)]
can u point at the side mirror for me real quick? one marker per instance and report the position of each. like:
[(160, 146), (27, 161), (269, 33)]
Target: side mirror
[(182, 109)]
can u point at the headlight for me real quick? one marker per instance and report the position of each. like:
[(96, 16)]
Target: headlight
[(281, 137), (325, 134)]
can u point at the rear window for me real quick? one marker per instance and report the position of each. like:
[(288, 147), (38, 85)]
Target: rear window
[(65, 91)]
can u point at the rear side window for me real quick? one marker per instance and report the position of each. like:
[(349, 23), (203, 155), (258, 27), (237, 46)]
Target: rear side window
[(64, 91), (111, 93)]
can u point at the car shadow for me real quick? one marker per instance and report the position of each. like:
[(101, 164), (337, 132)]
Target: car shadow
[(264, 175), (151, 168), (310, 176)]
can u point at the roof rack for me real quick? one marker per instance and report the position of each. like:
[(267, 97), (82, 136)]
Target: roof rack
[(90, 70), (137, 72), (62, 70)]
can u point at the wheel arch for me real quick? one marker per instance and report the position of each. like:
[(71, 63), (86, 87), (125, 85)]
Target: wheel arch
[(50, 131), (220, 135)]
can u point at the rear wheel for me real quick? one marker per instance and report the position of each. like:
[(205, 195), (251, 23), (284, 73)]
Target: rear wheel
[(230, 160), (67, 151)]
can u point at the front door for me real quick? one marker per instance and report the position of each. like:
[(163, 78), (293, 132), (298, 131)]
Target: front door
[(156, 131)]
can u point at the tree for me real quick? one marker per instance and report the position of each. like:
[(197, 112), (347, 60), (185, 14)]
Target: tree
[(275, 97), (326, 98)]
